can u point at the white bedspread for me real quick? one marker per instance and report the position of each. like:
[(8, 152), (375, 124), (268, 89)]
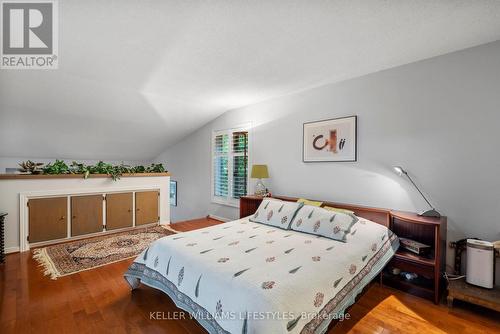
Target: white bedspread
[(244, 277)]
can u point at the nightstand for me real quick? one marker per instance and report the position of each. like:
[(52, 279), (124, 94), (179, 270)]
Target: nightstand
[(429, 267), (249, 204)]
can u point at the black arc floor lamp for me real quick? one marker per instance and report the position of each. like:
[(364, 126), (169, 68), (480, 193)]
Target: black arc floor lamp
[(429, 213)]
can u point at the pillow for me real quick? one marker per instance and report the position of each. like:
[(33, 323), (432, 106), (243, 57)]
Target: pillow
[(331, 208), (276, 213), (308, 202), (319, 221)]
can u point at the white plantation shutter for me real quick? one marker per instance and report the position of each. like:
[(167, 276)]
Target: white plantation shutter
[(221, 175), (230, 165), (240, 164)]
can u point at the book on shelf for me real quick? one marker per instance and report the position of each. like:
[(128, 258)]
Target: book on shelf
[(414, 246)]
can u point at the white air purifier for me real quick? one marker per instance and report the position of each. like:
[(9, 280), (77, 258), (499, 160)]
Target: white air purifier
[(480, 263)]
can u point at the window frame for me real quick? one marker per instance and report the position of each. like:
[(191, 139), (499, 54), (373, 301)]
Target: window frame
[(229, 200)]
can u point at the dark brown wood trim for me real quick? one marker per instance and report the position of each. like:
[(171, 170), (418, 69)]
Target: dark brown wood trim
[(378, 215), (416, 219)]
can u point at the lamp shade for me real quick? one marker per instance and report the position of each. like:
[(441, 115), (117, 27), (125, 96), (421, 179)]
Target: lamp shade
[(259, 172), (399, 170)]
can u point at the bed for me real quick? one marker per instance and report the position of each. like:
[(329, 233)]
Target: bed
[(247, 277)]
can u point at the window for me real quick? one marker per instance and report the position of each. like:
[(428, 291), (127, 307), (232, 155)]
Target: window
[(229, 166)]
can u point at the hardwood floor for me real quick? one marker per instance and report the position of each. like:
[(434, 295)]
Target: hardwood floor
[(99, 301)]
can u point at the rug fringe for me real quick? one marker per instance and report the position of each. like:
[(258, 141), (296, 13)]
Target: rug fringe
[(40, 255)]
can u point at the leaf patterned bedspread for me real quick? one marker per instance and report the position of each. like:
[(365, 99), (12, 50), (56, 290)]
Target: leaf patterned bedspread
[(245, 277)]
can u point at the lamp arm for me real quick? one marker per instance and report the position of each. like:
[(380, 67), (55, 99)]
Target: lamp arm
[(409, 178)]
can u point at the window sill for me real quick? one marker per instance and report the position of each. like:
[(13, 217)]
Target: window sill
[(235, 204)]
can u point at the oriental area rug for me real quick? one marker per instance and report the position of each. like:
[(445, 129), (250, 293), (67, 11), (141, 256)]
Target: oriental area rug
[(76, 256)]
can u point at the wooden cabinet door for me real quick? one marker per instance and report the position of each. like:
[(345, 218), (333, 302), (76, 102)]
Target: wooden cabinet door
[(146, 207), (47, 219), (86, 214), (119, 210)]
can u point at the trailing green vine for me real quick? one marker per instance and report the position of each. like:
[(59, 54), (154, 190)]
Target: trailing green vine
[(57, 167), (114, 171)]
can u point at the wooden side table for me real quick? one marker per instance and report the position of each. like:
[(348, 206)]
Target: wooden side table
[(249, 204), (427, 230), (2, 237), (459, 289)]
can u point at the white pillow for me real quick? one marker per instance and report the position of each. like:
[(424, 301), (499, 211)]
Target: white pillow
[(276, 213), (319, 221)]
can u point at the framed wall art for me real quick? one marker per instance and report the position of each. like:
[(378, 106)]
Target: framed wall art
[(173, 193), (330, 140)]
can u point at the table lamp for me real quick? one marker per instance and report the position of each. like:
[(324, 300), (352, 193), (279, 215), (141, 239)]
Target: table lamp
[(429, 213), (259, 172)]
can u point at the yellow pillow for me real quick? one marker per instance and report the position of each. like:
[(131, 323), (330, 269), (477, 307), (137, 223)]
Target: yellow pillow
[(331, 208), (308, 202)]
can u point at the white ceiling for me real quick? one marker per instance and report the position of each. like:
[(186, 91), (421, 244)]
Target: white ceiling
[(136, 76)]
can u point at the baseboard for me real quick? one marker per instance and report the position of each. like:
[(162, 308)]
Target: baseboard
[(222, 219), (9, 250)]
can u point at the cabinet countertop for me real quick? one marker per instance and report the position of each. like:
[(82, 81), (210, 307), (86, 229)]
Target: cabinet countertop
[(72, 176)]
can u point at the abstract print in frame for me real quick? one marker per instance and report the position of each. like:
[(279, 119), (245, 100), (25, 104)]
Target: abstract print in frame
[(330, 140), (173, 193)]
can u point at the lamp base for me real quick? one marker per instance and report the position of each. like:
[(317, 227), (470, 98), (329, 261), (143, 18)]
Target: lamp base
[(260, 188), (430, 213)]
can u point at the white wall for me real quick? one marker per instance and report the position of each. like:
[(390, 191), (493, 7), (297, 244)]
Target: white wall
[(13, 162), (439, 118)]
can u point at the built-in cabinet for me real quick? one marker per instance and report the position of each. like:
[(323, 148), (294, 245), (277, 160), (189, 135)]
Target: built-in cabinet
[(86, 214), (119, 211), (146, 207), (48, 219), (70, 216)]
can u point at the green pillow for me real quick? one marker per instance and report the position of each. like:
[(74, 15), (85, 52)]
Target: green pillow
[(331, 208), (308, 202)]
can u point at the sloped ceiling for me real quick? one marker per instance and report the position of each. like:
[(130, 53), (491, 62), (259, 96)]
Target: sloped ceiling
[(137, 76)]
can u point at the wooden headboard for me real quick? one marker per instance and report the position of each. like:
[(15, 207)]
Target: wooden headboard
[(380, 216)]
